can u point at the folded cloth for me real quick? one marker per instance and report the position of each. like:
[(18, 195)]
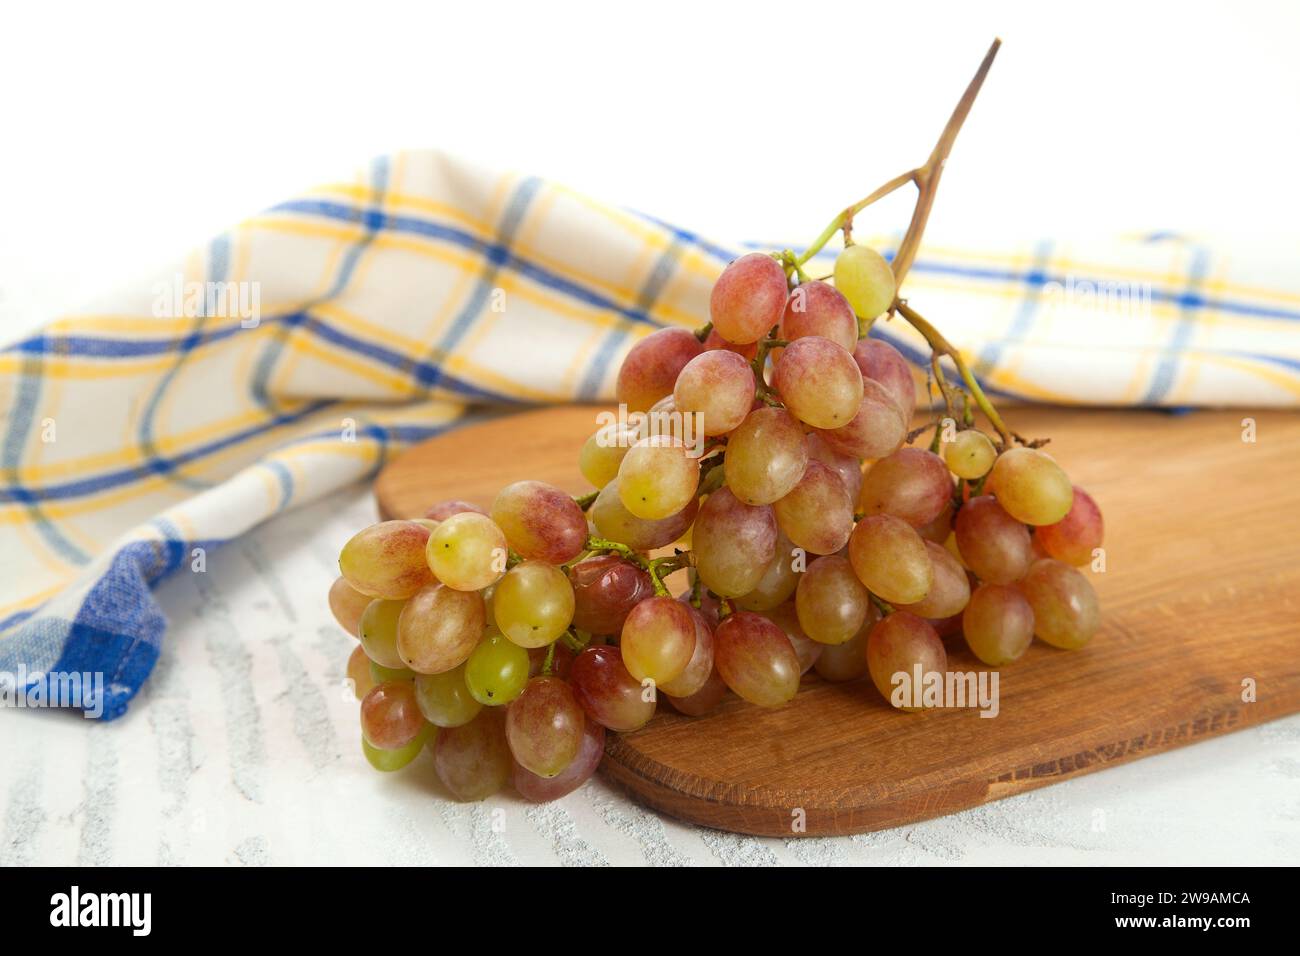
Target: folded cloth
[(294, 355)]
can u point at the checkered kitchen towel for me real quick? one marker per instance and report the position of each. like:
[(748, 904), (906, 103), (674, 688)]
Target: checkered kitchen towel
[(294, 354)]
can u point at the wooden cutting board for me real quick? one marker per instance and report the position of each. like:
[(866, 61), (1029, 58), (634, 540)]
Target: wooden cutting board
[(1201, 594)]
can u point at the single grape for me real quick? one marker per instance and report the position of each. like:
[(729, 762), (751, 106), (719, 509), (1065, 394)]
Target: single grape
[(606, 691), (846, 464), (540, 521), (386, 560), (748, 351), (831, 602), (615, 522), (912, 484), (756, 659), (877, 428), (848, 661), (473, 760), (445, 699), (467, 552), (537, 789), (378, 631), (703, 700), (605, 588), (940, 528), (387, 761), (819, 382), (390, 716), (881, 362), (697, 671), (946, 627), (658, 640), (497, 670), (380, 674), (998, 624), (533, 604), (733, 543), (544, 726), (806, 650), (438, 628), (766, 456), (890, 558), (818, 308), (604, 451), (778, 582), (1074, 538), (718, 385), (359, 672), (443, 510), (864, 278), (658, 478), (1030, 486), (897, 646), (817, 514), (650, 369), (748, 299), (1066, 613), (347, 604), (950, 590), (992, 543), (970, 454)]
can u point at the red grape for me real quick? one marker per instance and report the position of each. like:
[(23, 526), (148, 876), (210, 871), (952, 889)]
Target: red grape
[(748, 299), (650, 369), (605, 588), (1073, 538), (607, 692), (756, 659)]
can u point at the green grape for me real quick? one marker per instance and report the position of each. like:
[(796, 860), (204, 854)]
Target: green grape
[(817, 514), (756, 660), (733, 543), (389, 760), (819, 382), (890, 558), (830, 601), (468, 552), (615, 522), (544, 726), (748, 299), (658, 640), (533, 604), (719, 385), (473, 760), (540, 521), (379, 673), (998, 624), (439, 627), (497, 670), (970, 454), (444, 698), (347, 604), (390, 716), (898, 645), (658, 477), (766, 456), (1066, 612), (603, 452), (949, 591), (387, 560), (378, 631), (359, 672), (864, 278), (778, 581), (1030, 486)]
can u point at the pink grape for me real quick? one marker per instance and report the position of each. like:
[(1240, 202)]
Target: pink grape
[(950, 589), (390, 715), (998, 624), (912, 484), (605, 588), (540, 521), (831, 602), (537, 789), (697, 671), (818, 308), (1030, 486), (748, 299), (876, 430), (992, 543), (848, 661), (733, 543), (713, 340), (806, 650), (544, 726), (1066, 612), (777, 583), (445, 699), (940, 528), (846, 465), (719, 385), (473, 760), (896, 646), (442, 510), (756, 659), (604, 451), (386, 560), (615, 522), (890, 558), (650, 369), (703, 700), (766, 456), (817, 513), (378, 631), (1074, 537), (561, 660), (347, 604), (881, 362), (819, 382), (658, 640), (359, 672), (606, 691), (658, 478), (438, 628)]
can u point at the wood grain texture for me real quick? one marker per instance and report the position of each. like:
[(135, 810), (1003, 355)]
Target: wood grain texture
[(1200, 594)]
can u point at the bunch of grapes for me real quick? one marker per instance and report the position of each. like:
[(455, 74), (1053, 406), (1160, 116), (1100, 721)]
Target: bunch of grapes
[(766, 457)]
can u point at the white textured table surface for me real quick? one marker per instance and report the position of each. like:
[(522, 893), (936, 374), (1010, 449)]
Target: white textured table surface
[(243, 749)]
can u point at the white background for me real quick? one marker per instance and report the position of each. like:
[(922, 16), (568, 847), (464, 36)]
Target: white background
[(132, 132)]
